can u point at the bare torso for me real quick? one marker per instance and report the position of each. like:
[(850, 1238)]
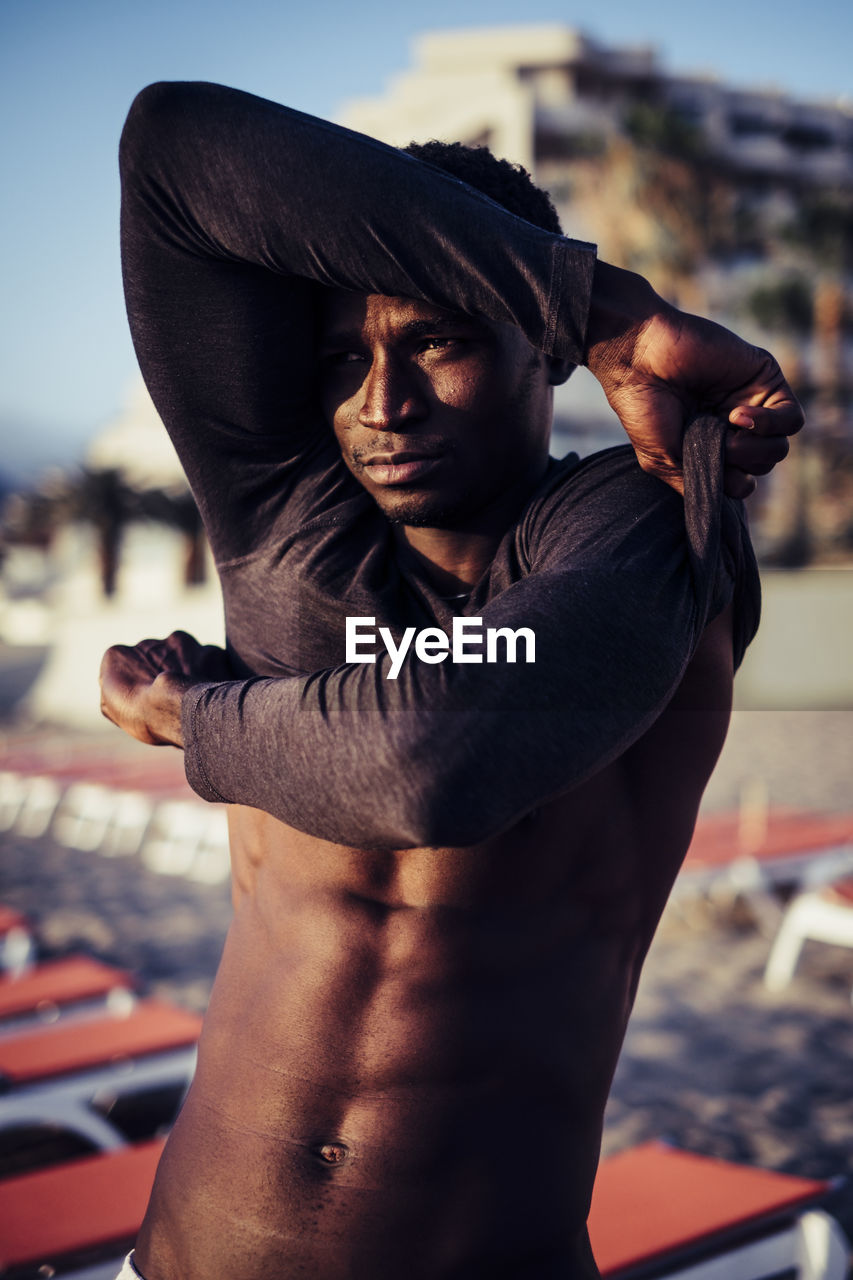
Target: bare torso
[(407, 1054)]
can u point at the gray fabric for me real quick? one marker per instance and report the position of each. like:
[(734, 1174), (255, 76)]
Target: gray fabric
[(233, 210)]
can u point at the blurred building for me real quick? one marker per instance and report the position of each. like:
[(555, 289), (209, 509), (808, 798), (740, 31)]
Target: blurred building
[(544, 96), (136, 443)]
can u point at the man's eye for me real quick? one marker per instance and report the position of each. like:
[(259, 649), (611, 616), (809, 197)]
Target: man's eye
[(437, 344), (342, 357)]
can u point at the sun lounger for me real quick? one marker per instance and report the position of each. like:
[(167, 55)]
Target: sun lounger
[(88, 800), (96, 1083), (76, 986), (78, 762), (78, 1219), (188, 838), (17, 945), (825, 915), (790, 848), (660, 1212), (10, 918), (117, 815), (152, 1027), (92, 816), (27, 803), (656, 1212)]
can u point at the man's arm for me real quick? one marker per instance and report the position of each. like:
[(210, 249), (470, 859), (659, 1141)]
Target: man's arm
[(235, 209), (450, 754)]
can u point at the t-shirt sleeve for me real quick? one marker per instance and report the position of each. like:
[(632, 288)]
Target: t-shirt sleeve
[(234, 211), (619, 591)]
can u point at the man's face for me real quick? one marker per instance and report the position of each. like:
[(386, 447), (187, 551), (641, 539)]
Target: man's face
[(442, 417)]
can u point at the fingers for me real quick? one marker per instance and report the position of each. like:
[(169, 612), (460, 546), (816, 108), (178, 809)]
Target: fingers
[(737, 484), (755, 454), (202, 662), (179, 654), (125, 670), (127, 662), (214, 663), (749, 454), (142, 688), (781, 420)]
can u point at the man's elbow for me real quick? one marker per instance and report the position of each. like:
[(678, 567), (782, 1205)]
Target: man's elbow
[(149, 108), (447, 823), (159, 112)]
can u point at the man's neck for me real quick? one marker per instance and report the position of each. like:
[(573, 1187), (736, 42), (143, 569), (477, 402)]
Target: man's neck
[(454, 560), (451, 561)]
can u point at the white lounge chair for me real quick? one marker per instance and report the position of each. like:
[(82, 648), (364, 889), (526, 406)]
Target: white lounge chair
[(824, 915), (188, 838), (27, 803), (100, 1081)]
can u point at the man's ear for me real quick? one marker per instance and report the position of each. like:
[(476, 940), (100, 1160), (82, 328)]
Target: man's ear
[(559, 371)]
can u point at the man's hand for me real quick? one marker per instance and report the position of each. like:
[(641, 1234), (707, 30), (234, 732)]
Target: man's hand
[(660, 367), (142, 687)]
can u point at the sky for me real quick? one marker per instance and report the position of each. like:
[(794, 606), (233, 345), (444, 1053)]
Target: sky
[(70, 68)]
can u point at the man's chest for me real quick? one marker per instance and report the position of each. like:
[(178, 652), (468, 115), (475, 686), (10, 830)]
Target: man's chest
[(287, 611)]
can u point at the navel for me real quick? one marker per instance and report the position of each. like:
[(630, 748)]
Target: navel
[(332, 1152)]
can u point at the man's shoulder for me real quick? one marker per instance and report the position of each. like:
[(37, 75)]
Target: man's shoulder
[(596, 505), (603, 472), (603, 513)]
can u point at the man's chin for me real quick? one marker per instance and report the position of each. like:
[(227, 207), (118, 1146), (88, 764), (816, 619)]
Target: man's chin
[(422, 510)]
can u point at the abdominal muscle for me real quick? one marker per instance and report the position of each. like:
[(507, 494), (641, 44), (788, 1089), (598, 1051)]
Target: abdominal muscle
[(406, 1057)]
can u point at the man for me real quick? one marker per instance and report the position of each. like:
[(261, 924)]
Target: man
[(448, 858)]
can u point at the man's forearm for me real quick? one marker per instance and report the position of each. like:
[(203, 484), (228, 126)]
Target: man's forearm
[(621, 302), (230, 176), (450, 754)]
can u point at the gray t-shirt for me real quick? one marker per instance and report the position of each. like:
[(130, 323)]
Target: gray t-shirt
[(235, 211)]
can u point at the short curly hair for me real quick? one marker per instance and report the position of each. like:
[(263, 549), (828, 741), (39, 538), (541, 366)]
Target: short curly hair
[(507, 184)]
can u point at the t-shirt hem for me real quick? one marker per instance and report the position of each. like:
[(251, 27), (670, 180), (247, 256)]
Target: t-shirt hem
[(193, 763), (568, 314)]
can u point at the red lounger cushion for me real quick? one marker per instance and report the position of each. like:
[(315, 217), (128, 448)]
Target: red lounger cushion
[(790, 833), (59, 982), (648, 1202), (654, 1200), (151, 1027), (87, 1204)]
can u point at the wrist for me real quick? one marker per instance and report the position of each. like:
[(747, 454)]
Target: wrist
[(621, 304), (163, 712)]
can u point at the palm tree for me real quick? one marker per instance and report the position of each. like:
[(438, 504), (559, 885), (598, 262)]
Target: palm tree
[(686, 195), (823, 233), (103, 499), (177, 509)]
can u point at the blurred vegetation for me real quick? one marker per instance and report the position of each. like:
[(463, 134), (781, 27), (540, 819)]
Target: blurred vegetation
[(102, 499), (766, 253), (785, 305)]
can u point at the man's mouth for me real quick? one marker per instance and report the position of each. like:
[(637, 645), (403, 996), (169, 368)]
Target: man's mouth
[(403, 467)]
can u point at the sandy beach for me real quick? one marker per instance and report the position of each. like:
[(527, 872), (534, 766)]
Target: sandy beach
[(712, 1060)]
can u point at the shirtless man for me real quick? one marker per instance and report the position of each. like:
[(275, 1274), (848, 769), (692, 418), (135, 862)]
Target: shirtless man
[(446, 877)]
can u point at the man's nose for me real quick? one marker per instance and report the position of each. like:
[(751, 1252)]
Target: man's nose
[(392, 398)]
